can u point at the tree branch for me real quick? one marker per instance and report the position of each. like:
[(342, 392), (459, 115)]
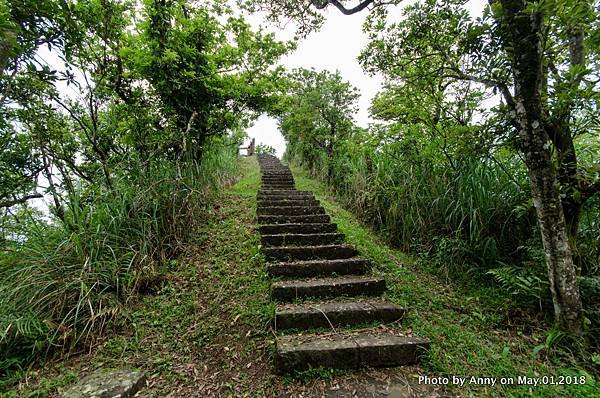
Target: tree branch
[(9, 203), (344, 10)]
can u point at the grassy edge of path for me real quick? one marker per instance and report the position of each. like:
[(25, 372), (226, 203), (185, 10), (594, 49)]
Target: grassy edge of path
[(467, 328), (203, 331)]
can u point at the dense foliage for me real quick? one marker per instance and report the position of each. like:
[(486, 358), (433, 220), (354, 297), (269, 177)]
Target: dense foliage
[(126, 116), (447, 169), (262, 149), (120, 118)]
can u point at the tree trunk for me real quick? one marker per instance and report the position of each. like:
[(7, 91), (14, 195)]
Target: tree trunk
[(526, 47), (329, 151), (559, 260)]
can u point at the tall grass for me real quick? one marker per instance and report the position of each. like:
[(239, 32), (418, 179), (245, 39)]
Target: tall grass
[(470, 218), (476, 211), (62, 284)]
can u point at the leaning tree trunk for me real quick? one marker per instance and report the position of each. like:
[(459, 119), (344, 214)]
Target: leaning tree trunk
[(524, 38)]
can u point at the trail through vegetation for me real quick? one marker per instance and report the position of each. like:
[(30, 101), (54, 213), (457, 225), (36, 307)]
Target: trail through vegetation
[(120, 123), (125, 117), (204, 329)]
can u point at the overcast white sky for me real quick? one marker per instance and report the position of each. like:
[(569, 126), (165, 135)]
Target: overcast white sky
[(335, 47)]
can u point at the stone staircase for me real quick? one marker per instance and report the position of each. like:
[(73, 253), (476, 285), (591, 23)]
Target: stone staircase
[(328, 303)]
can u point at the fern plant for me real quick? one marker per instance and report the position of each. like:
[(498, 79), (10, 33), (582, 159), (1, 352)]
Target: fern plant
[(521, 282)]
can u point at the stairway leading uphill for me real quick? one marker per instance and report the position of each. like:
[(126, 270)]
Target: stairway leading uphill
[(326, 297)]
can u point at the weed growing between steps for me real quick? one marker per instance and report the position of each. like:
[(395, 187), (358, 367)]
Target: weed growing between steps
[(471, 328)]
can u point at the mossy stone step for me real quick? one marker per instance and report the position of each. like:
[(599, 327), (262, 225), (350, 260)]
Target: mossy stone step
[(289, 197), (279, 193), (289, 210), (277, 184), (350, 286), (285, 178), (262, 192), (301, 239), (282, 202), (347, 351), (283, 193), (318, 228), (275, 169), (312, 268), (336, 314), (102, 383), (309, 218), (292, 253)]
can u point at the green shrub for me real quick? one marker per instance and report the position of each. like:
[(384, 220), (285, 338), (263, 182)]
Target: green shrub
[(469, 212), (63, 282), (262, 149)]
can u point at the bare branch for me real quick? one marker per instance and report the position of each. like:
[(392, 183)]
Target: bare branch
[(23, 199), (349, 11)]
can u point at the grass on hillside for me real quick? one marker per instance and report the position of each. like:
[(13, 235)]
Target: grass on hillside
[(203, 329), (473, 329)]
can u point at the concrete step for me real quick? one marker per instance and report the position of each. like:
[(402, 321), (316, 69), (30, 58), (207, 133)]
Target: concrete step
[(275, 170), (317, 228), (279, 186), (275, 192), (301, 239), (277, 178), (328, 287), (351, 350), (283, 194), (275, 184), (307, 269), (311, 219), (288, 202), (281, 197), (293, 253), (289, 210), (335, 314), (268, 192)]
